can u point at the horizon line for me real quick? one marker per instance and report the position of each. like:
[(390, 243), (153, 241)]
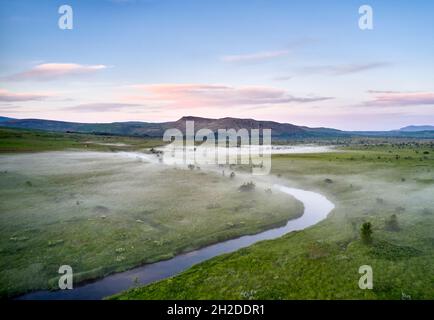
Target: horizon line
[(198, 117)]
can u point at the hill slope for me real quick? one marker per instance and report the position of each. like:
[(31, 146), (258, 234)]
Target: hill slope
[(150, 129), (417, 128), (157, 129)]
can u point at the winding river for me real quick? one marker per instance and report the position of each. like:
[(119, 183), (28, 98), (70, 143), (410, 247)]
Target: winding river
[(316, 208)]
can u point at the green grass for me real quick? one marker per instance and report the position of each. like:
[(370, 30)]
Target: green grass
[(22, 140), (367, 182), (102, 213)]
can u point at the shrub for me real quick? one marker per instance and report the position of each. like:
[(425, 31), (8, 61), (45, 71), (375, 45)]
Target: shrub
[(248, 186), (366, 233), (392, 223)]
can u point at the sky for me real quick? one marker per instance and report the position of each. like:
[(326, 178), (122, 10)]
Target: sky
[(302, 62)]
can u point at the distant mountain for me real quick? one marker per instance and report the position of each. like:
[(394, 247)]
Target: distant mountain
[(5, 119), (150, 129), (417, 128), (280, 130), (115, 128), (393, 134)]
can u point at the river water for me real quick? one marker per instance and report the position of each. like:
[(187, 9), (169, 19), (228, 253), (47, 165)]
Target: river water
[(316, 208)]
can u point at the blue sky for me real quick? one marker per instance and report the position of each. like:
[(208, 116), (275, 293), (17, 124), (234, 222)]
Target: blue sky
[(303, 62)]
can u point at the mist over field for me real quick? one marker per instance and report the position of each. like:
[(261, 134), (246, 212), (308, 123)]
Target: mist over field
[(104, 212), (216, 150)]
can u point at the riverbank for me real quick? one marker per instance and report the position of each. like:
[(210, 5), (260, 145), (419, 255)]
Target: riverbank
[(102, 212), (316, 208), (368, 183)]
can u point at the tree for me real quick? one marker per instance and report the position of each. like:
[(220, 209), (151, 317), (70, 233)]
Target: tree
[(366, 233)]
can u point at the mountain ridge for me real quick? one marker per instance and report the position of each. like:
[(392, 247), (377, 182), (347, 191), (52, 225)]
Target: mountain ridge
[(157, 129), (415, 128)]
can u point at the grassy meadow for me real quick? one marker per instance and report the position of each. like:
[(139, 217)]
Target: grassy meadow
[(77, 199), (103, 212), (23, 140), (369, 182)]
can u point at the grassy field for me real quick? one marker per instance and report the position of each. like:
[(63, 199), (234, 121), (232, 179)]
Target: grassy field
[(82, 203), (21, 140), (368, 182), (103, 212)]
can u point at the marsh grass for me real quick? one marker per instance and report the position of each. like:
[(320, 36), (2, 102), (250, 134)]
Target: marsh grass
[(322, 262), (103, 213), (22, 140)]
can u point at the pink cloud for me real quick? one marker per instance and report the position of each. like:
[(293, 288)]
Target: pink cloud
[(7, 96), (391, 98), (207, 95), (51, 71)]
